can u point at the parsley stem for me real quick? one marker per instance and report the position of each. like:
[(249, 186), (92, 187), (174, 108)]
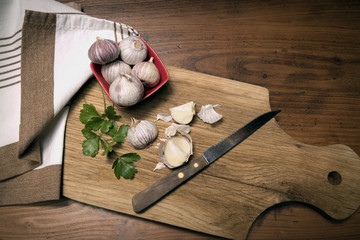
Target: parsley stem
[(103, 95), (108, 143), (84, 99)]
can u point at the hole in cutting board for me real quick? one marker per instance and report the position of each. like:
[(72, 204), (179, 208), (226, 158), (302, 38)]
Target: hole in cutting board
[(334, 178)]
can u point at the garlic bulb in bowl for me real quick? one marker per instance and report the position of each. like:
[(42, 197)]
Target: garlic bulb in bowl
[(103, 51), (142, 133), (133, 50), (112, 70), (126, 90), (147, 72)]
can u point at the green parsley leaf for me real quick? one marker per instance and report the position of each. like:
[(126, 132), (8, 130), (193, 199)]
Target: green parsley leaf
[(88, 112), (106, 126), (95, 123), (91, 146), (123, 166), (120, 135), (113, 129), (128, 171), (130, 157), (88, 133), (111, 113)]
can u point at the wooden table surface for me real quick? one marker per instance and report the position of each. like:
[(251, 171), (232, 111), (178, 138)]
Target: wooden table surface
[(307, 53)]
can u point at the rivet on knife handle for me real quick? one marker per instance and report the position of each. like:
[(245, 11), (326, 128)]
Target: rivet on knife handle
[(146, 198)]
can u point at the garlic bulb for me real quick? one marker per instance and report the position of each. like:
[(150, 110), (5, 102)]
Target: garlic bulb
[(176, 151), (133, 50), (141, 133), (126, 90), (103, 51), (147, 72), (112, 70), (208, 114), (183, 114)]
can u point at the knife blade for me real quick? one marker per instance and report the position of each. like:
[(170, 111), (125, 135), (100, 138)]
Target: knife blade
[(154, 193)]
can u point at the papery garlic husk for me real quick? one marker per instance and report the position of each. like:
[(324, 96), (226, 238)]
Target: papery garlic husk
[(159, 166), (174, 128), (208, 114), (126, 90), (133, 50), (176, 150), (142, 133), (183, 114), (164, 116), (147, 72), (110, 71), (103, 51)]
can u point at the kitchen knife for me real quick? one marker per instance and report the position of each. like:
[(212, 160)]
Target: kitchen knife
[(149, 196)]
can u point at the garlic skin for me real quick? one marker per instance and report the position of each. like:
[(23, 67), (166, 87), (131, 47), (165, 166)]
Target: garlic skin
[(147, 72), (164, 116), (126, 90), (174, 128), (208, 115), (183, 114), (103, 51), (159, 166), (142, 133), (112, 70), (133, 50)]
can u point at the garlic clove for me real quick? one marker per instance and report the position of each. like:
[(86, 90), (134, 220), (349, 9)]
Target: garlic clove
[(183, 114), (175, 151), (174, 128), (147, 72), (164, 116), (142, 133), (133, 50), (126, 90), (103, 51), (208, 115), (110, 71)]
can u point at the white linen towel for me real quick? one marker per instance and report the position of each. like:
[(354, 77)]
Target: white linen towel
[(43, 63)]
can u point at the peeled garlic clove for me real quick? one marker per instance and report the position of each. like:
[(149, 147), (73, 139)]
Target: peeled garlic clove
[(133, 50), (164, 116), (103, 51), (142, 133), (208, 114), (174, 128), (175, 151), (183, 114), (126, 90), (147, 72), (110, 71)]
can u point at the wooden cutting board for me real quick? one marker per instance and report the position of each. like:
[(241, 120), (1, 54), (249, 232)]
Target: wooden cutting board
[(268, 168)]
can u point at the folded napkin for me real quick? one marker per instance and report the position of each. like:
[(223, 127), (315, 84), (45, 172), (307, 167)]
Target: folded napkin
[(43, 63)]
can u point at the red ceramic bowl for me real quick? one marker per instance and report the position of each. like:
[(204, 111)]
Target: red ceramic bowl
[(164, 75)]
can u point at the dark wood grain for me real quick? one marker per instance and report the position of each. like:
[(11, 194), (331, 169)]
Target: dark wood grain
[(307, 53)]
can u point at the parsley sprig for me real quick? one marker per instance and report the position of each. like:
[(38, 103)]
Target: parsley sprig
[(102, 131)]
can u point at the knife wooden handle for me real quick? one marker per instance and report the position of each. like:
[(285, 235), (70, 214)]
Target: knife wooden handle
[(149, 196)]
